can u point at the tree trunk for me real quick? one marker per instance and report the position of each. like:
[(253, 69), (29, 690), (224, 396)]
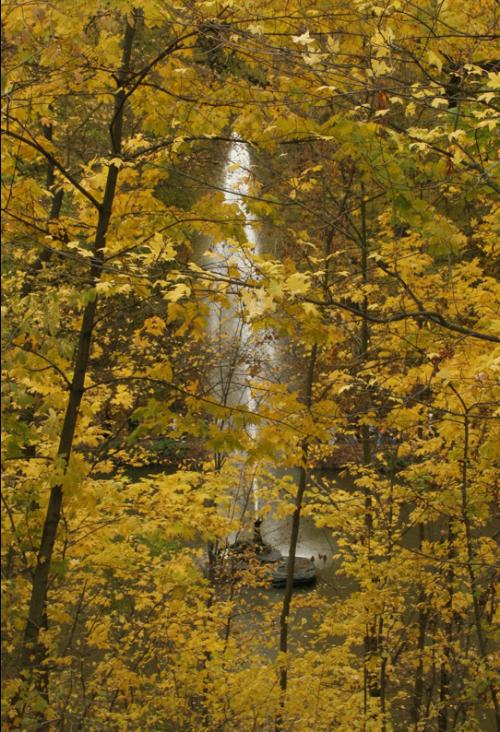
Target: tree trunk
[(444, 684), (33, 651), (483, 651), (287, 599), (371, 680), (418, 689)]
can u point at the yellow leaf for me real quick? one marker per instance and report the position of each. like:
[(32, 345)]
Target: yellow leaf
[(434, 60), (177, 292), (154, 325), (298, 283)]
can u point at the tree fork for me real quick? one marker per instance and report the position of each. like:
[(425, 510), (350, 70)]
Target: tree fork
[(55, 210)]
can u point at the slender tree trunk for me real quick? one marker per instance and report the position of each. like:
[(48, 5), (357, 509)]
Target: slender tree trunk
[(34, 269), (33, 651), (418, 689), (371, 680), (383, 676), (430, 687), (483, 651), (287, 599), (444, 674)]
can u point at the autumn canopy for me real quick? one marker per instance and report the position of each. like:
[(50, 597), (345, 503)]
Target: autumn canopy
[(250, 297)]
